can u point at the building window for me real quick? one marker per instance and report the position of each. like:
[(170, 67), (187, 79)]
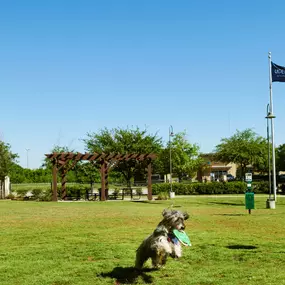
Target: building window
[(218, 175)]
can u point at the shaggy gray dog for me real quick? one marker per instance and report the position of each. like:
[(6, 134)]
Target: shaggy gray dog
[(162, 243)]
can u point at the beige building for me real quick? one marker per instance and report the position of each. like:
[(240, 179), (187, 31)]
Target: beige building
[(215, 170)]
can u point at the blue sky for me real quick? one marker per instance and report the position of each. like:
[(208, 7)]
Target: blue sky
[(72, 67)]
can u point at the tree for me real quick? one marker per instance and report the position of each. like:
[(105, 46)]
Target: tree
[(124, 141), (280, 157), (47, 164), (86, 172), (7, 159), (185, 158), (244, 148), (19, 174)]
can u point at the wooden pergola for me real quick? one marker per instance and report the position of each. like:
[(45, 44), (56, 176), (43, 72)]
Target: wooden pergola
[(65, 161)]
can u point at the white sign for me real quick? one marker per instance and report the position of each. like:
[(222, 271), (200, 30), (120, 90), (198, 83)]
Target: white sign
[(248, 177)]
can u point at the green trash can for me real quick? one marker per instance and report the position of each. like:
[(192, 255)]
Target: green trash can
[(249, 201)]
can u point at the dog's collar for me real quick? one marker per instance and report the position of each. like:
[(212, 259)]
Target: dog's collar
[(172, 238)]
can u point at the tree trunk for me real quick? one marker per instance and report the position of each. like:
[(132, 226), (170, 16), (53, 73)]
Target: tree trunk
[(243, 171)]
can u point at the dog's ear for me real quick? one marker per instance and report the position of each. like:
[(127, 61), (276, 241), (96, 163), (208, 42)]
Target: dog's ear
[(160, 231), (186, 215), (164, 212), (168, 212)]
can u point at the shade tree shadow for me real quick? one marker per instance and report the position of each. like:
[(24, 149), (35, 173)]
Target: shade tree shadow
[(227, 203), (241, 246), (230, 215), (144, 202)]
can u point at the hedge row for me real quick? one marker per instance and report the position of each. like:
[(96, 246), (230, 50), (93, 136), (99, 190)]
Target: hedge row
[(45, 193), (162, 189), (236, 187)]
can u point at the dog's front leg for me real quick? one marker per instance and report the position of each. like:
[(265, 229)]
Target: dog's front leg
[(164, 258), (163, 249), (156, 261), (176, 251), (159, 259)]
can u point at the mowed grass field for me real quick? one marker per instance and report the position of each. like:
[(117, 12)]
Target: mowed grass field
[(71, 243)]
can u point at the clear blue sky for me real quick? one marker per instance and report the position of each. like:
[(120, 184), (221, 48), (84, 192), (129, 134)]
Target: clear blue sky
[(72, 67)]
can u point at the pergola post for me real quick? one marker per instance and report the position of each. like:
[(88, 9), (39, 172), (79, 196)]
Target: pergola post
[(106, 181), (103, 166), (63, 185), (54, 182), (149, 187)]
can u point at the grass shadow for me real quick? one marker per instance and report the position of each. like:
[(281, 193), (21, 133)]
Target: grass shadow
[(230, 215), (241, 246), (227, 203), (128, 275), (145, 202)]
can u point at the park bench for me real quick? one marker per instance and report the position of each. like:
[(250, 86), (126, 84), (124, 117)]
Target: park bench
[(135, 194), (91, 195)]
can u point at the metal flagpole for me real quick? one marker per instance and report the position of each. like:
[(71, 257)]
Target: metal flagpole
[(271, 116)]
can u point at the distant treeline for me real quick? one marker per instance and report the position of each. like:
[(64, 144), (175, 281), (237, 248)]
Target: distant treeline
[(19, 174)]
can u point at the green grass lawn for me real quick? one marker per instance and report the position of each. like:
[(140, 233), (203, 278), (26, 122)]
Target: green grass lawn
[(94, 242)]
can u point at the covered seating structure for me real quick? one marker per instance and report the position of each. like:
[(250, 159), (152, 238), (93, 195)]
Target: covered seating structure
[(65, 161)]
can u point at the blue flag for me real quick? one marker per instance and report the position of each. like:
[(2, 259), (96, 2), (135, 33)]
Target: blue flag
[(278, 72)]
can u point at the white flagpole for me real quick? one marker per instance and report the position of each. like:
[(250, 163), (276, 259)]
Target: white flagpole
[(272, 128)]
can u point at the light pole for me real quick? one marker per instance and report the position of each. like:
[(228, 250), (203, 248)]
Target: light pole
[(268, 142), (270, 117), (27, 150), (171, 134)]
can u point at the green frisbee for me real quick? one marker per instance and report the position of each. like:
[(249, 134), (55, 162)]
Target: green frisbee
[(182, 237)]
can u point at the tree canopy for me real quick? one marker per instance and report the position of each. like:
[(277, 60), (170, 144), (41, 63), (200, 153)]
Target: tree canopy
[(19, 174), (185, 158), (7, 158), (244, 148), (125, 141), (280, 157)]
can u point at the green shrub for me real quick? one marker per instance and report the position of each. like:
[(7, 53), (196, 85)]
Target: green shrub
[(160, 188), (237, 187), (41, 194), (44, 192), (211, 188), (162, 196), (21, 193), (260, 187), (76, 191), (37, 193), (46, 196), (10, 196)]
